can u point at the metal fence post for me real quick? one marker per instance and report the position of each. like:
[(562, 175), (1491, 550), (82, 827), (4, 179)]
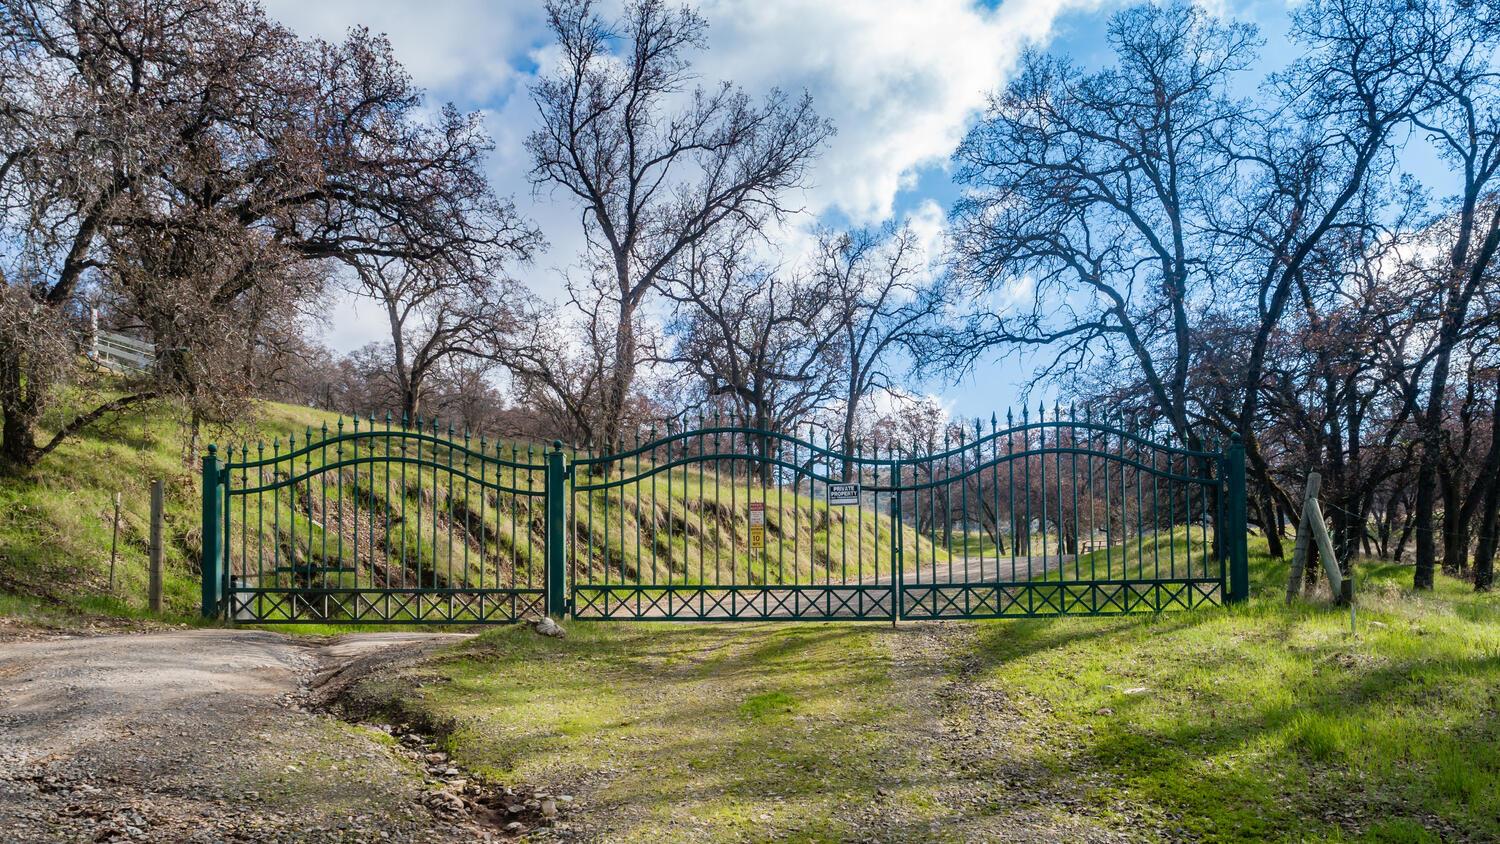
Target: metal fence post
[(213, 555), (557, 548), (1237, 527)]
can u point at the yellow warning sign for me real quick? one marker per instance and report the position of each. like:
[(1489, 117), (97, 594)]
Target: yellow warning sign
[(757, 526)]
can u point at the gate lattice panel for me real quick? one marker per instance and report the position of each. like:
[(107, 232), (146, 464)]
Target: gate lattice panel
[(1061, 516), (727, 523), (379, 524)]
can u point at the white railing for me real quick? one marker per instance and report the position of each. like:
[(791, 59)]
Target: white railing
[(120, 352)]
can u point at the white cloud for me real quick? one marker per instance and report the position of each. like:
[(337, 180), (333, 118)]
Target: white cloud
[(901, 81), (463, 50)]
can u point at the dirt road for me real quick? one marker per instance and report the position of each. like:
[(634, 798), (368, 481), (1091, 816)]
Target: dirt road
[(199, 735)]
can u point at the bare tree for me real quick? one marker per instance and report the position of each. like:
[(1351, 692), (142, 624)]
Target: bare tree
[(767, 339), (1463, 121), (654, 166), (1087, 195), (436, 316), (190, 154), (884, 303)]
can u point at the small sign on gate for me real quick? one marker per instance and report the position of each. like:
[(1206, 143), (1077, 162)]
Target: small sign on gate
[(843, 495), (757, 526)]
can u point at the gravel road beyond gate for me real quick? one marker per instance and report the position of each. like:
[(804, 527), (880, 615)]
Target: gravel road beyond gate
[(198, 735)]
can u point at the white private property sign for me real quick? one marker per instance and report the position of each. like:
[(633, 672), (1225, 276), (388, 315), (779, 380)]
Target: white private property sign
[(843, 495)]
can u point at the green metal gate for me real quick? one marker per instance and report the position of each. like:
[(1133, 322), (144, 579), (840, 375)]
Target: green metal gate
[(1056, 515), (375, 524), (724, 523)]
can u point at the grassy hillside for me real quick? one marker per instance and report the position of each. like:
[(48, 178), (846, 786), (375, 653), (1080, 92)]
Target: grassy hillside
[(55, 522)]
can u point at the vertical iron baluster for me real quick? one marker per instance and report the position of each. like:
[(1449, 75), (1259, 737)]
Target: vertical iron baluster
[(338, 455), (1062, 512), (468, 534), (433, 570), (354, 481), (523, 507), (386, 538), (1073, 487), (1186, 471), (1124, 505), (1109, 541), (875, 504), (1010, 492), (484, 501), (859, 511), (370, 508), (843, 522), (734, 511), (797, 476), (519, 510), (405, 499), (780, 519), (702, 470), (1140, 504), (323, 502), (639, 525), (304, 504), (668, 544), (1041, 448), (260, 520), (1089, 450), (1155, 516), (916, 508), (979, 469), (935, 458), (276, 512), (449, 528), (1203, 524), (1026, 490)]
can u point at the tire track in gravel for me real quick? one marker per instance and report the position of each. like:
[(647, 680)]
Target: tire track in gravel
[(979, 752)]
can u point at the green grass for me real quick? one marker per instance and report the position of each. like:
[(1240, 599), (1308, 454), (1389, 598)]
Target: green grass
[(749, 732), (1269, 722), (55, 522), (1251, 723)]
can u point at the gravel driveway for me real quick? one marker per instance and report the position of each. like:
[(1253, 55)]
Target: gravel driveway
[(197, 735)]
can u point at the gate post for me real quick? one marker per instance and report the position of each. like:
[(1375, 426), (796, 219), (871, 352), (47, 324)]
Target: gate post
[(557, 549), (1236, 524), (213, 552)]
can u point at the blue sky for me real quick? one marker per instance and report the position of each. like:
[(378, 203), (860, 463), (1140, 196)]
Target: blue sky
[(901, 81)]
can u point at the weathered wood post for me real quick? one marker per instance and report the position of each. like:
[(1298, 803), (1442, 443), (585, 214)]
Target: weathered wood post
[(114, 543), (153, 587), (1312, 528), (1304, 536)]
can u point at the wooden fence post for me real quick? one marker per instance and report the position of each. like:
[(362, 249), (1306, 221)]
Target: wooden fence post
[(1304, 536), (154, 582), (1311, 528), (114, 543)]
